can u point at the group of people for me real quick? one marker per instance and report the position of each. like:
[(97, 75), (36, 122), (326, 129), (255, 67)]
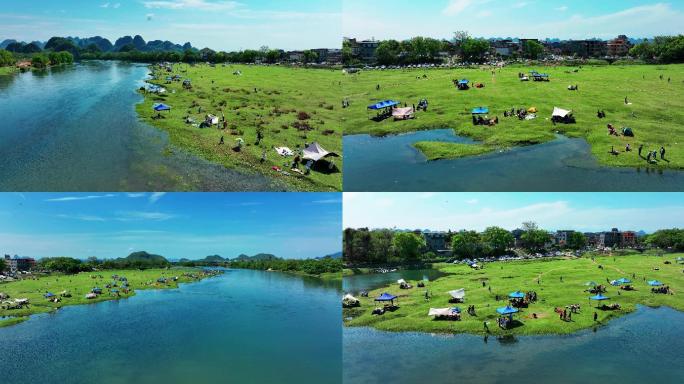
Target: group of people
[(504, 321), (564, 314), (471, 310), (520, 112), (479, 120), (601, 114), (664, 289)]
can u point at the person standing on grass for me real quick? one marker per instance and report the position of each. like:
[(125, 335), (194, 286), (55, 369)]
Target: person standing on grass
[(595, 316), (662, 153), (221, 141), (641, 147)]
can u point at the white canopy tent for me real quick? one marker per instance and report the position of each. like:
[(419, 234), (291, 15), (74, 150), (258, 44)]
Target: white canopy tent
[(440, 312), (315, 152), (458, 293), (560, 112), (349, 299), (401, 281)]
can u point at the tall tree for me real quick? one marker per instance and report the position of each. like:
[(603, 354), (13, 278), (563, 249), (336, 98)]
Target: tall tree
[(408, 246)]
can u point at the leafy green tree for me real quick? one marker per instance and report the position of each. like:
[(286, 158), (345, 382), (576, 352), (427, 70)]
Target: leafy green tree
[(40, 61), (6, 58), (3, 264), (533, 49), (381, 246), (474, 50), (408, 246), (534, 239), (466, 244), (576, 241), (667, 239), (387, 52), (62, 264), (310, 57), (497, 240)]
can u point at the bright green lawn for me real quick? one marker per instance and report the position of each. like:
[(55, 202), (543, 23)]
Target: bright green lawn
[(81, 284), (434, 150), (658, 106), (282, 92), (7, 70), (506, 277)]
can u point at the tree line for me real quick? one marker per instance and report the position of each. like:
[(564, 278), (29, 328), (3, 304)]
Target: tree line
[(661, 49), (383, 246), (308, 266), (668, 239)]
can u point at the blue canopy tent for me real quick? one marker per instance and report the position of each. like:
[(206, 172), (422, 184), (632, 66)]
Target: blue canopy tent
[(624, 280), (507, 310), (383, 104), (464, 81), (516, 295), (161, 107), (480, 111), (463, 84), (385, 297), (654, 283), (599, 297), (96, 290), (49, 295)]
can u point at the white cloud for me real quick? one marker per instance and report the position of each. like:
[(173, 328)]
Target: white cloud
[(327, 201), (203, 5), (82, 217), (485, 13), (562, 8), (77, 198), (105, 5), (521, 4), (117, 5), (455, 7), (156, 196), (140, 215), (472, 201), (427, 195)]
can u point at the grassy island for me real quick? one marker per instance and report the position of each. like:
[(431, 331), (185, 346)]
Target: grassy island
[(558, 282), (72, 289), (654, 110), (287, 106)]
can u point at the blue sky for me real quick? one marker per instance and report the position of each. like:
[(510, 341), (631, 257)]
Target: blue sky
[(218, 24), (577, 19), (552, 211), (175, 225)]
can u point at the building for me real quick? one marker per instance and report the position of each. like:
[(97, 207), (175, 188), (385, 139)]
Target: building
[(517, 236), (504, 47), (561, 237), (592, 238), (437, 242), (619, 46), (584, 48), (295, 56), (628, 238), (609, 239), (334, 56), (17, 264), (363, 50)]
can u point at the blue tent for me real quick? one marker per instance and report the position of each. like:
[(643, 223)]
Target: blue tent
[(480, 111), (456, 309), (115, 291), (383, 104), (599, 297), (506, 310), (516, 295), (161, 107), (624, 280), (464, 81), (385, 297), (49, 294), (654, 283)]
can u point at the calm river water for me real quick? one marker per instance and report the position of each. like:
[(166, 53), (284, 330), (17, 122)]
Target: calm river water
[(241, 327), (75, 128)]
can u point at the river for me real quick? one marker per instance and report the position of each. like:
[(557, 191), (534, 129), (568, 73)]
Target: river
[(242, 327), (75, 128), (392, 164)]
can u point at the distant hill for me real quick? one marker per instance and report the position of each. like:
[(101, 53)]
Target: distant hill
[(136, 42), (214, 259), (258, 256), (336, 255), (7, 42), (146, 257)]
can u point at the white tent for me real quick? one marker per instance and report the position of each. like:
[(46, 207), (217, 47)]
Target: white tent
[(457, 293), (401, 281), (315, 152), (439, 312), (349, 299), (284, 151), (560, 112)]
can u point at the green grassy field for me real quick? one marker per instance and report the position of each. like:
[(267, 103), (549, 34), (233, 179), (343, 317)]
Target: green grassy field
[(506, 277), (658, 118), (294, 106), (8, 70), (81, 284)]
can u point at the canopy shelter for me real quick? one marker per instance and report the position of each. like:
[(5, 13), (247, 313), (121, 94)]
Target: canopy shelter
[(464, 81), (654, 283), (599, 297), (401, 281), (315, 152), (623, 280), (463, 84), (49, 295), (444, 311), (507, 310), (403, 113), (516, 295), (560, 112), (383, 104), (284, 151), (480, 111), (457, 293), (385, 297), (161, 107)]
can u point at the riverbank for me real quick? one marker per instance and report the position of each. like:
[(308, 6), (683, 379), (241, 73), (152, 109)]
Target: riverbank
[(289, 106), (8, 71), (653, 113), (34, 288), (558, 283), (440, 150)]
